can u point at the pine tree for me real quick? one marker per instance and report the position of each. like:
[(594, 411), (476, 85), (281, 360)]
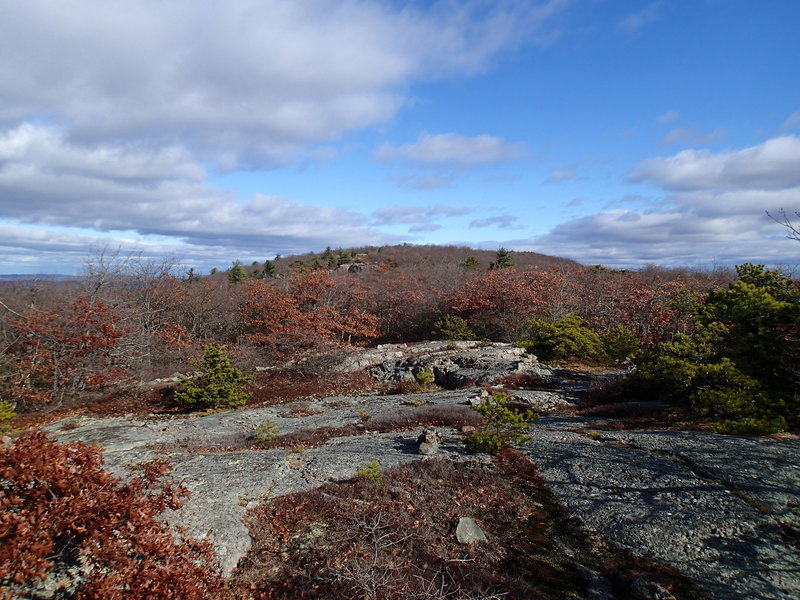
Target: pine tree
[(236, 273), (216, 384), (502, 260)]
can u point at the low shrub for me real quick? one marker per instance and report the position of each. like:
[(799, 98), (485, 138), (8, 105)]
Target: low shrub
[(372, 472), (452, 327), (568, 338), (424, 378), (621, 344), (520, 380), (64, 521), (267, 432), (501, 426), (216, 383), (447, 415), (7, 413), (751, 426)]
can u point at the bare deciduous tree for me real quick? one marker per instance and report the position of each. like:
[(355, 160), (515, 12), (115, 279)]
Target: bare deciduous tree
[(783, 219)]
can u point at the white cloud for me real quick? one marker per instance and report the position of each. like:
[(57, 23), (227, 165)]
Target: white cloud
[(395, 214), (452, 150), (677, 238), (715, 213), (775, 164), (49, 181), (241, 81), (504, 222), (48, 149)]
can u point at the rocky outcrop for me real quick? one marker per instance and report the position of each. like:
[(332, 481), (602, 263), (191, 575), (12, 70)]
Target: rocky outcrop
[(453, 364), (723, 510), (429, 441)]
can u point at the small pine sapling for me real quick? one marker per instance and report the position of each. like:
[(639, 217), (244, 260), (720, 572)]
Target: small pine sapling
[(372, 472), (216, 384), (501, 425), (267, 432)]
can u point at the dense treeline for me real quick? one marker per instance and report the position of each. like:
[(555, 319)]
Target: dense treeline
[(716, 342), (130, 318)]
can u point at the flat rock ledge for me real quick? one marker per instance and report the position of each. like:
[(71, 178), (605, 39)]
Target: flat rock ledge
[(724, 510)]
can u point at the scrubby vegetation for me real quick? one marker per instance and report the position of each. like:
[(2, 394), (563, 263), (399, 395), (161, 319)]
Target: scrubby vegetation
[(501, 425), (355, 540), (68, 525), (719, 347), (216, 383), (740, 365)]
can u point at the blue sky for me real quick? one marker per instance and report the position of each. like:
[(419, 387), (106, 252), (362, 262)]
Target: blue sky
[(608, 131)]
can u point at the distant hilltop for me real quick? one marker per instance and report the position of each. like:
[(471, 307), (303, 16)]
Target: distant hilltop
[(23, 276)]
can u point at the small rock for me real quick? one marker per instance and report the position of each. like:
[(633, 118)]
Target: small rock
[(429, 441), (476, 401), (468, 532), (468, 429)]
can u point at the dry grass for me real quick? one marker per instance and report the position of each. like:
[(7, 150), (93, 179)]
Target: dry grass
[(448, 415)]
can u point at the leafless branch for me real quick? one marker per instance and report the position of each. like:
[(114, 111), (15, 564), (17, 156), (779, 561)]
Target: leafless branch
[(793, 230)]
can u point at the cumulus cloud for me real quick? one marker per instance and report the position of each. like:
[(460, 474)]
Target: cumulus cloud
[(242, 82), (504, 222), (112, 113), (452, 150), (679, 238), (47, 180), (47, 149), (713, 211), (775, 164)]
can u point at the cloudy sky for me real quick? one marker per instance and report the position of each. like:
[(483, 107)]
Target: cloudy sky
[(618, 132)]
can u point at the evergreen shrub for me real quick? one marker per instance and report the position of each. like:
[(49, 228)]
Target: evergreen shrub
[(216, 384), (501, 425)]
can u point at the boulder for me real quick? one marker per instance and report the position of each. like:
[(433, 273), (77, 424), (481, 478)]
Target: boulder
[(468, 532)]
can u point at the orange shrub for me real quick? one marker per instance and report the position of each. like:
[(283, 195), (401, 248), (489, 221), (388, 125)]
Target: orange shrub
[(94, 535)]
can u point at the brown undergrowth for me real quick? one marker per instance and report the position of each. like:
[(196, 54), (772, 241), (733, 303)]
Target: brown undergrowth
[(445, 415), (268, 388), (273, 387), (359, 540)]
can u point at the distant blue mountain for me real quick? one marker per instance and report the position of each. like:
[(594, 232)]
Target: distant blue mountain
[(49, 276)]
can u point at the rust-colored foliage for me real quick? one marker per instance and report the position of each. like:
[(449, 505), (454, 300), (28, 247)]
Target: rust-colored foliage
[(95, 536), (304, 317), (60, 353), (498, 303)]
